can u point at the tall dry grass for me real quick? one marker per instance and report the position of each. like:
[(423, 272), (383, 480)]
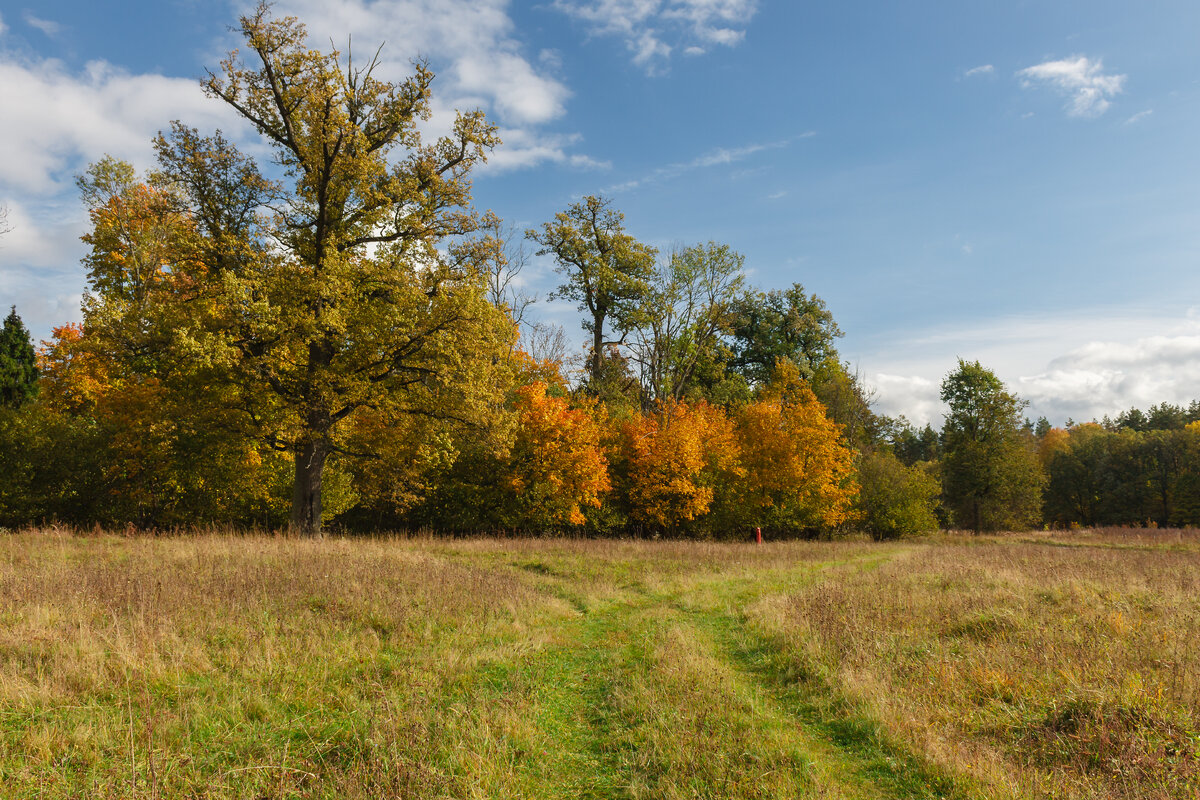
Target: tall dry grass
[(223, 666), (1064, 665)]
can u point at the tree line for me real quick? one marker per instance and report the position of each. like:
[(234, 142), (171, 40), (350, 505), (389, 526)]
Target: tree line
[(338, 334)]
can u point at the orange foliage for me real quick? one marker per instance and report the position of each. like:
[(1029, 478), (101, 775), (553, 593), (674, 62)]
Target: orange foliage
[(530, 370), (556, 466), (136, 241), (676, 458), (1055, 441), (798, 471), (72, 377)]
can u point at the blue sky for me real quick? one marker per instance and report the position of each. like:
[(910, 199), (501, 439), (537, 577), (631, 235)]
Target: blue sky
[(1011, 182)]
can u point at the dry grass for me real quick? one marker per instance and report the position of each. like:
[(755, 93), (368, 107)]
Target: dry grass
[(217, 666), (1066, 665)]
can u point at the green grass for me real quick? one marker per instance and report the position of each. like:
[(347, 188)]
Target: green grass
[(255, 667)]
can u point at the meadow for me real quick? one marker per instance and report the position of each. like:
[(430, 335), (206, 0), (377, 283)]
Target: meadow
[(218, 665)]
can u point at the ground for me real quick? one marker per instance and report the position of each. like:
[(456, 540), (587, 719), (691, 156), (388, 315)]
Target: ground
[(223, 665)]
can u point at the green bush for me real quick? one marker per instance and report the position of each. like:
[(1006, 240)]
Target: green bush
[(895, 500)]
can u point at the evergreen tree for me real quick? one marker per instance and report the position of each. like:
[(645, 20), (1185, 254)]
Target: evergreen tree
[(18, 365)]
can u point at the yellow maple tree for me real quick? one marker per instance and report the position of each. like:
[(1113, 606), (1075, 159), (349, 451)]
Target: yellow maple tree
[(675, 459), (556, 466), (798, 470)]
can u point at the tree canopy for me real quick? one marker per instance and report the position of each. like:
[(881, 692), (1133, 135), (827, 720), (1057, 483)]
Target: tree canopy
[(990, 474), (605, 269)]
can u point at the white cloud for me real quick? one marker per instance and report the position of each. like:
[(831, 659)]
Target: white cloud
[(985, 69), (3, 27), (470, 43), (1138, 117), (1105, 377), (645, 25), (915, 397), (1082, 366), (1081, 79), (46, 26), (56, 121), (473, 47), (40, 271)]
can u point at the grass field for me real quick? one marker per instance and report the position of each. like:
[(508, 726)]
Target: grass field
[(1039, 665)]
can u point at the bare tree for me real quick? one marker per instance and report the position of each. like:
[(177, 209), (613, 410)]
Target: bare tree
[(545, 341), (508, 257)]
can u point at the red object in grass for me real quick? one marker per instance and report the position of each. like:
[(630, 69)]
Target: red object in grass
[(758, 535)]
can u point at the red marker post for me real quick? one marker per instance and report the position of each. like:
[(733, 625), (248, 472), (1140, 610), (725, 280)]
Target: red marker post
[(758, 535)]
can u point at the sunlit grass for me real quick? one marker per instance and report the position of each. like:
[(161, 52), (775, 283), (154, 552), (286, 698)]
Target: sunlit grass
[(250, 666)]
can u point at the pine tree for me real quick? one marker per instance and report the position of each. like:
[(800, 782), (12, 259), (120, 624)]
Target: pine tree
[(18, 365)]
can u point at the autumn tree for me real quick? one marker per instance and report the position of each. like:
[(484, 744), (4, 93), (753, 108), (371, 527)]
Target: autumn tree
[(686, 311), (799, 472), (676, 459), (346, 285), (990, 472), (795, 326), (606, 269), (556, 468), (18, 363)]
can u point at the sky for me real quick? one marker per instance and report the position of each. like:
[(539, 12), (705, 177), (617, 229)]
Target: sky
[(1016, 182)]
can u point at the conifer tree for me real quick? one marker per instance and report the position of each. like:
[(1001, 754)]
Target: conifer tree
[(18, 365)]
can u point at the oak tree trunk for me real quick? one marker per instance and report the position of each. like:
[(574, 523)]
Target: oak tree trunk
[(306, 491)]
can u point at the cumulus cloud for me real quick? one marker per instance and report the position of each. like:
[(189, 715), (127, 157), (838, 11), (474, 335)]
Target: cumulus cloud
[(470, 43), (56, 120), (1081, 79), (1082, 366), (480, 62), (1104, 377), (913, 396), (40, 271), (646, 25)]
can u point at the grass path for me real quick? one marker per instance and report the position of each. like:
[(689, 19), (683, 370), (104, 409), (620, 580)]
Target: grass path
[(666, 690), (263, 668)]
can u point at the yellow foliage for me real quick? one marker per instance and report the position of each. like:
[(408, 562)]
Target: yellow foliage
[(556, 466), (798, 470), (72, 376), (1055, 441), (676, 458)]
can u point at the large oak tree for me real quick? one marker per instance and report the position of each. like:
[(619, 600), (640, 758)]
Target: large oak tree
[(339, 278)]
